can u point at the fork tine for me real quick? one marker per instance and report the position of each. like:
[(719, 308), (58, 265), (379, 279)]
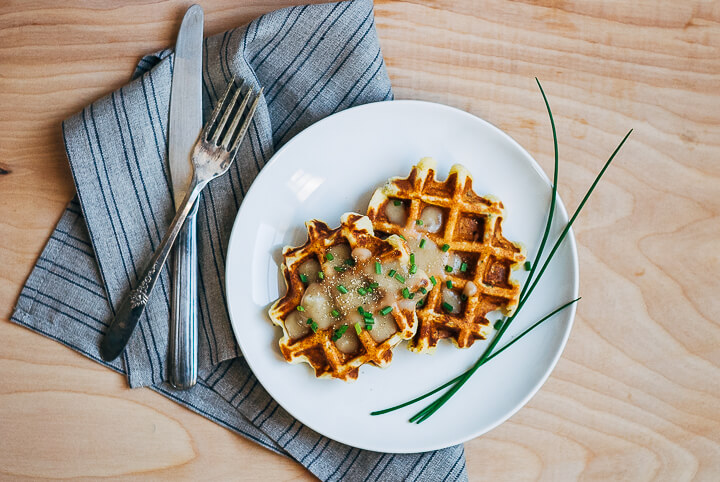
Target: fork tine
[(236, 120), (218, 107), (246, 123), (223, 120)]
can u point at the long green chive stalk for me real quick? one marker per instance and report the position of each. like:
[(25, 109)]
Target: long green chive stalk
[(433, 407), (430, 409), (553, 196), (572, 219), (525, 292), (447, 384)]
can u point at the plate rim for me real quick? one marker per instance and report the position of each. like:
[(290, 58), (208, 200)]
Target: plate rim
[(570, 240)]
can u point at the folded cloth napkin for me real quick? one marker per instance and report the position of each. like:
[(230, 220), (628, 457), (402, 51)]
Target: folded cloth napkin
[(312, 61)]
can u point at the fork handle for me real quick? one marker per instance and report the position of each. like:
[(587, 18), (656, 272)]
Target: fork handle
[(182, 350), (133, 305)]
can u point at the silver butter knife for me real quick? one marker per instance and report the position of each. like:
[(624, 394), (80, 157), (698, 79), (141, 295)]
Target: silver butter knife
[(185, 125)]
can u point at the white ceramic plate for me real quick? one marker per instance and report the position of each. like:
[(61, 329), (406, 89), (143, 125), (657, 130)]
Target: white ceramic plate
[(333, 167)]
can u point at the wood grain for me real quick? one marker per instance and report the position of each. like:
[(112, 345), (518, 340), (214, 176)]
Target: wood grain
[(636, 395)]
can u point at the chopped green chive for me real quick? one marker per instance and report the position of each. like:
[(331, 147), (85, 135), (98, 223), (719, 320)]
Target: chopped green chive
[(339, 269), (369, 290), (448, 268), (463, 267), (360, 310), (412, 258), (445, 247), (358, 328), (420, 303), (368, 327), (368, 317), (386, 310), (329, 256), (342, 289), (448, 307), (321, 275), (339, 333), (422, 243), (433, 281), (399, 278), (391, 273), (423, 291), (349, 262), (528, 265), (362, 291), (402, 237), (397, 203), (374, 285), (309, 321), (335, 313), (412, 295), (463, 297), (378, 267), (406, 293), (448, 283), (314, 327), (303, 278), (300, 308), (419, 222), (498, 324), (413, 268)]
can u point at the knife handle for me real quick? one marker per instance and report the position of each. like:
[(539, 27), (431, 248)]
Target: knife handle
[(183, 315), (133, 304)]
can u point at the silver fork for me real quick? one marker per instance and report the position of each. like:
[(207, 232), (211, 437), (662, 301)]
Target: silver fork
[(212, 155)]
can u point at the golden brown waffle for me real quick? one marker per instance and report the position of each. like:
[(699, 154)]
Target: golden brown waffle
[(471, 226), (299, 342)]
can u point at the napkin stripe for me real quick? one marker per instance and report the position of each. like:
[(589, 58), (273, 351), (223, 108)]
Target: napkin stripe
[(100, 295), (117, 240), (116, 211), (150, 118), (70, 307), (219, 421), (35, 300), (222, 50), (367, 82), (429, 456), (141, 181), (280, 39), (76, 239), (460, 457), (102, 191), (288, 74), (152, 346), (351, 450), (281, 75), (157, 112), (206, 76), (324, 74), (82, 250), (204, 312), (143, 321)]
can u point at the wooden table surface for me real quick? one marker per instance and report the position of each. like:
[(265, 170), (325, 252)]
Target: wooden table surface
[(636, 395)]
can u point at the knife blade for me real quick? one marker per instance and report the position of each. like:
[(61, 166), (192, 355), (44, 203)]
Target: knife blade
[(184, 127)]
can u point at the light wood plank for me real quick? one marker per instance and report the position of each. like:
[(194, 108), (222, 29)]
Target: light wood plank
[(636, 393)]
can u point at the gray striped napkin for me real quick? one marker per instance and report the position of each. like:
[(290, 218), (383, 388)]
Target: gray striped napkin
[(312, 61)]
